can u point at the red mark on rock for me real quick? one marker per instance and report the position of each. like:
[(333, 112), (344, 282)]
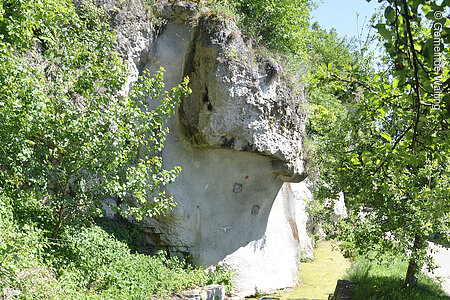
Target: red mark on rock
[(294, 229), (246, 176)]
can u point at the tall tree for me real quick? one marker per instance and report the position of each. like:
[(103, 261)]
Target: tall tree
[(391, 156)]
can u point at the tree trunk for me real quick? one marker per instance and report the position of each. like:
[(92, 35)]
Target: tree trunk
[(411, 279), (413, 268), (61, 218)]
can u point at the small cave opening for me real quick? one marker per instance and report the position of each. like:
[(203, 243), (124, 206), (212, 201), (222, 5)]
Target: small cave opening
[(206, 100)]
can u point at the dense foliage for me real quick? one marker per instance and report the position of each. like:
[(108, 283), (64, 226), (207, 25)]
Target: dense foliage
[(67, 135), (282, 24), (390, 155)]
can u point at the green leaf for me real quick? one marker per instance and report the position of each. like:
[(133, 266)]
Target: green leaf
[(386, 136), (426, 8), (427, 50), (381, 28), (395, 82), (389, 14)]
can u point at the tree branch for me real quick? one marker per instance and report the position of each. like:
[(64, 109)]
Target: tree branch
[(393, 147), (416, 73)]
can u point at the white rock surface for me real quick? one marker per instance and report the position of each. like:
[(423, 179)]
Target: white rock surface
[(339, 208), (271, 262)]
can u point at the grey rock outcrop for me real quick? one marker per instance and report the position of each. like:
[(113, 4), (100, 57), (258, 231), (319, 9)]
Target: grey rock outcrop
[(238, 139), (241, 101), (209, 292), (339, 208), (343, 290), (135, 33)]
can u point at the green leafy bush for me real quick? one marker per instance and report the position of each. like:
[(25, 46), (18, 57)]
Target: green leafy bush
[(107, 265), (283, 24), (67, 135), (87, 262), (22, 253), (19, 248), (68, 139)]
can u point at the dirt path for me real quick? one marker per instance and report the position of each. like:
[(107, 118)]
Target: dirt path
[(319, 277), (442, 258)]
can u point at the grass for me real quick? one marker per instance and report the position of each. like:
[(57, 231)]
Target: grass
[(318, 277), (384, 280), (376, 279)]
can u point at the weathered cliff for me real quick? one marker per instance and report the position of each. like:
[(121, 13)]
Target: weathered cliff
[(238, 139)]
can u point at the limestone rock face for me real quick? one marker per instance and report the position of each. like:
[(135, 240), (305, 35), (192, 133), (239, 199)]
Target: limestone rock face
[(271, 262), (339, 208), (238, 139), (240, 101)]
